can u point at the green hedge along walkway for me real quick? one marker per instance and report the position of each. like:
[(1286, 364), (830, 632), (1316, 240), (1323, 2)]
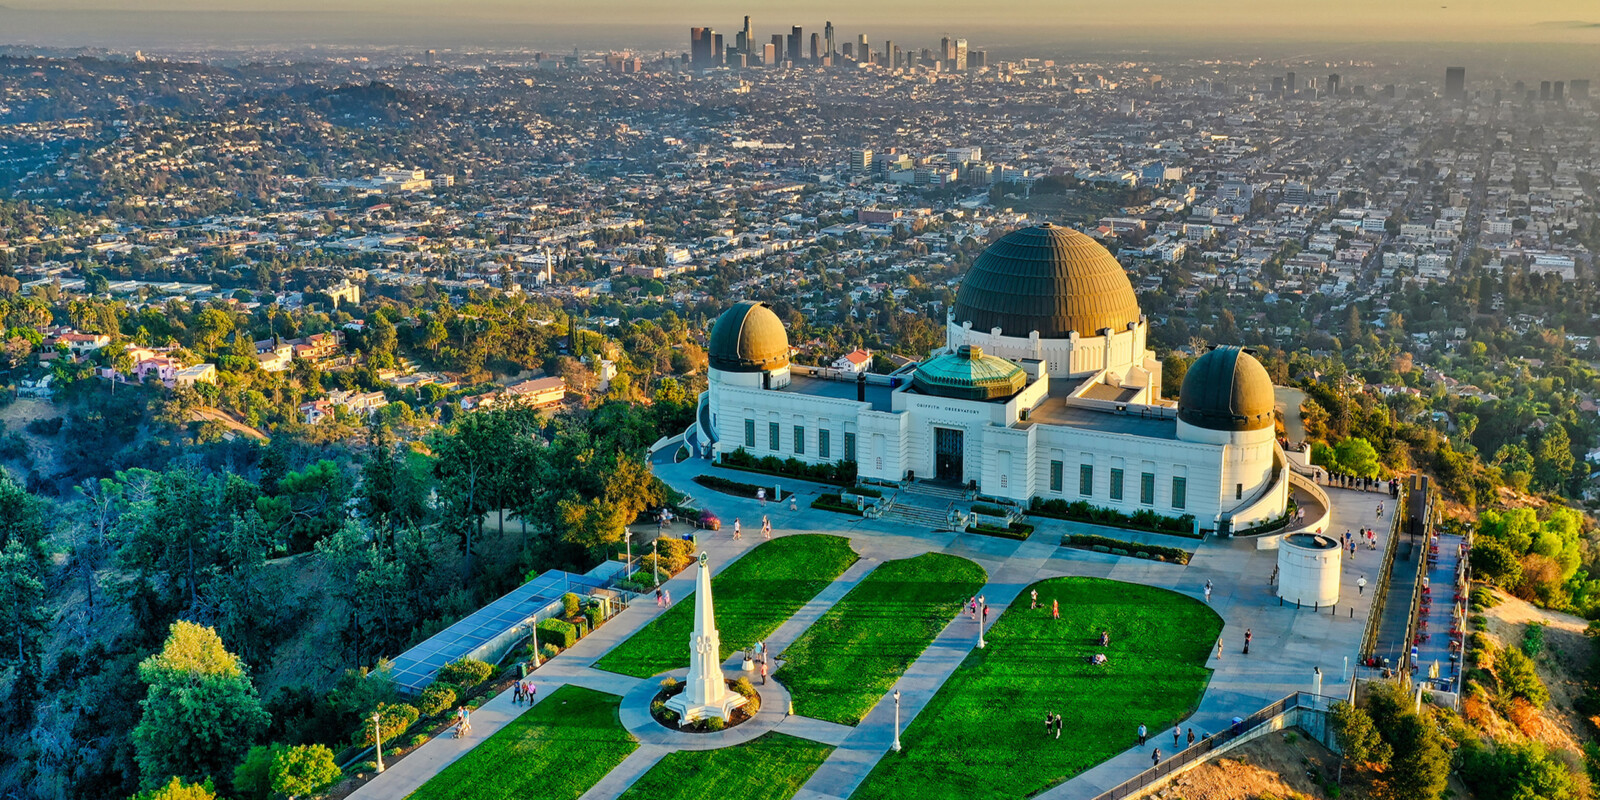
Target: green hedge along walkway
[(849, 659), (982, 734), (754, 596)]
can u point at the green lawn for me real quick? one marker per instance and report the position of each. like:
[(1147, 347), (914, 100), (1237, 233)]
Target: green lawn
[(753, 596), (982, 735), (554, 751), (845, 663), (771, 767)]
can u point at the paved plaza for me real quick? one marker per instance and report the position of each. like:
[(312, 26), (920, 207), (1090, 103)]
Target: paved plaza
[(1288, 642)]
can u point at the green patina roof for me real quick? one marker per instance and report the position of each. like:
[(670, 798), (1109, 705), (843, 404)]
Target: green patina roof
[(1047, 279), (968, 374)]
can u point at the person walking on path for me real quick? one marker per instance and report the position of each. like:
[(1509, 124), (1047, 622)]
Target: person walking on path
[(972, 606), (658, 597), (766, 527), (736, 529), (791, 503), (985, 615), (763, 673), (1191, 737), (666, 596), (1142, 733), (1219, 649), (1177, 738), (1361, 585), (1247, 637), (1208, 591), (1035, 596), (1055, 609), (1155, 757)]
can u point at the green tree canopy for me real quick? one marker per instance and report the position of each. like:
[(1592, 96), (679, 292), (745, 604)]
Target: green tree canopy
[(201, 713)]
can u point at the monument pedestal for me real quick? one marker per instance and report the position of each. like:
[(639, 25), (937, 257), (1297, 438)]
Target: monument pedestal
[(705, 693)]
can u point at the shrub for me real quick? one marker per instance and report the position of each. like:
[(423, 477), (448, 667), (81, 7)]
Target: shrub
[(436, 699), (752, 697), (713, 724), (570, 604), (840, 472), (1016, 530), (1533, 639), (736, 488), (834, 502), (560, 633), (594, 615), (549, 651), (466, 673), (1143, 519), (985, 508), (393, 720), (670, 686), (1106, 544), (417, 741), (675, 554)]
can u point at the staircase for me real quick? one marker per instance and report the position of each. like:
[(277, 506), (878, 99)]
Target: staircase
[(948, 493), (922, 516)]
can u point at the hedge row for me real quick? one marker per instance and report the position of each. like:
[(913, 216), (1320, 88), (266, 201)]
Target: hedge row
[(1143, 520), (1017, 530), (1106, 544), (833, 502), (736, 488), (842, 473)]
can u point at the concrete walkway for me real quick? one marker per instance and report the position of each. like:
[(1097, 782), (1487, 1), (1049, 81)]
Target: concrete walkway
[(1287, 642)]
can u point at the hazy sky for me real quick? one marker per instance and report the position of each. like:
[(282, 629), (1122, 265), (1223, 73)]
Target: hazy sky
[(404, 22)]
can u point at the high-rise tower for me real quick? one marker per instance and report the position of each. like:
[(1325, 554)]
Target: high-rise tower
[(1455, 83), (827, 37)]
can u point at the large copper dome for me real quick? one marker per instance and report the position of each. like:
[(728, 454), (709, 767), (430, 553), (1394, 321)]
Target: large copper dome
[(1048, 279), (749, 338), (1227, 389)]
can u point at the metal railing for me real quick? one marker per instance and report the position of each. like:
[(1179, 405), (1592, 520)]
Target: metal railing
[(1205, 748), (1380, 594)]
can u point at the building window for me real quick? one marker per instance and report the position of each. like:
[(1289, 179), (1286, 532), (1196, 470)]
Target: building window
[(822, 444), (1180, 491), (750, 434), (1116, 484), (1238, 491), (1086, 480), (799, 440), (772, 436), (1147, 488), (849, 446), (1055, 476)]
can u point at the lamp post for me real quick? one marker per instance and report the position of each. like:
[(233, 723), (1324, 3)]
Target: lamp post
[(377, 739), (535, 642), (655, 560), (982, 608), (1316, 681), (896, 746)]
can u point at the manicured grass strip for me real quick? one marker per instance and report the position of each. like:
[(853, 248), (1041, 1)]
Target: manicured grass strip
[(772, 766), (982, 734), (753, 596), (845, 662), (554, 751)]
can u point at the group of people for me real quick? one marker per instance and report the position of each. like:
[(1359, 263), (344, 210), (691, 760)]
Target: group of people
[(523, 692), (1055, 605), (463, 721), (1347, 481), (766, 528), (663, 597), (1367, 535), (978, 607), (1177, 742)]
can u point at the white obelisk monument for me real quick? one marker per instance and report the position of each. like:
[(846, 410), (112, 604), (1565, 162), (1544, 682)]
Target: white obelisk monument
[(706, 693)]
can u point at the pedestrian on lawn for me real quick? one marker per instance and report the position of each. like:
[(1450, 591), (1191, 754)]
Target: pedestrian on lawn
[(1055, 609), (1035, 596), (1049, 723), (1059, 725)]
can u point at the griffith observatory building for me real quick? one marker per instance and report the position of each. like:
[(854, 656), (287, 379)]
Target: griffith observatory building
[(1044, 388)]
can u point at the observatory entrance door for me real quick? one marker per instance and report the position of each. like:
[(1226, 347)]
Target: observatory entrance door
[(947, 452)]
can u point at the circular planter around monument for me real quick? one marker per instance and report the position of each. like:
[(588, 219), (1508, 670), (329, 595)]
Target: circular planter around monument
[(741, 715)]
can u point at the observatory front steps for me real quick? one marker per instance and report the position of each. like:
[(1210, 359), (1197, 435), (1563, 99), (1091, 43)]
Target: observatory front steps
[(923, 516), (949, 493)]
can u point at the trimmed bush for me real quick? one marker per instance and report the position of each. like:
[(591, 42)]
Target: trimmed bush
[(752, 697), (560, 633), (466, 673), (985, 508), (549, 651), (570, 603), (833, 502), (393, 720), (737, 488), (1143, 519), (841, 472), (713, 724), (436, 699), (594, 616), (1016, 530), (1105, 544)]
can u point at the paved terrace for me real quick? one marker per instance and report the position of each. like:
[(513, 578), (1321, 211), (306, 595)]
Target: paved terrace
[(1287, 643)]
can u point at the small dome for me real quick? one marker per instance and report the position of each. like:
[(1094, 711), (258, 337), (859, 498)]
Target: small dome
[(1048, 279), (968, 374), (1226, 389), (749, 338)]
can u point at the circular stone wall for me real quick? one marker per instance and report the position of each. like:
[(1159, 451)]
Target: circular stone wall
[(1309, 566)]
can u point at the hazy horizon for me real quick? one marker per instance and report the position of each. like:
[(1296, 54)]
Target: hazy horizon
[(650, 26)]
